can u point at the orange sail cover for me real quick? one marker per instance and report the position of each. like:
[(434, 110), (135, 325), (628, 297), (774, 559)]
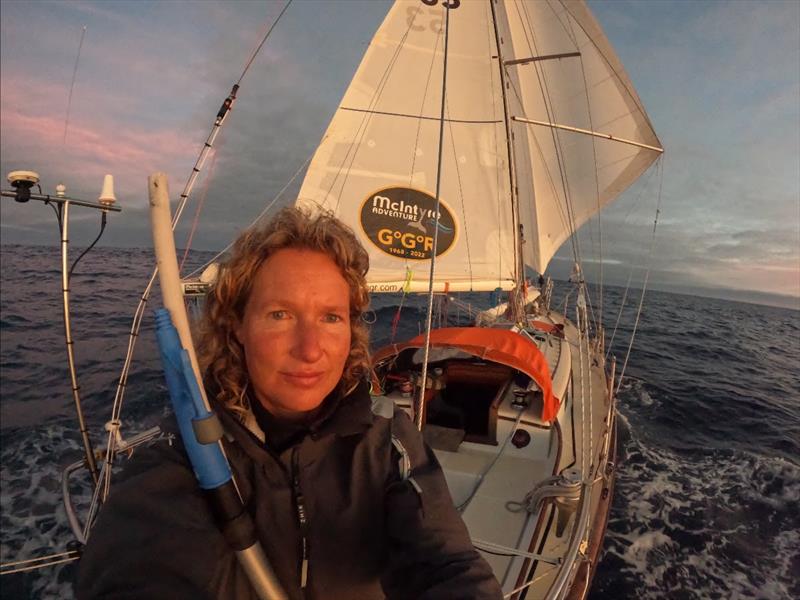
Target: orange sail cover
[(497, 345)]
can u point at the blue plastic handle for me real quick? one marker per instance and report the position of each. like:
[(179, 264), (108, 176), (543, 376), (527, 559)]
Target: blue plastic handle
[(208, 461)]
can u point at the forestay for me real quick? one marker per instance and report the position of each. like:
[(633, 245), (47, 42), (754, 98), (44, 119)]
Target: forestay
[(377, 165)]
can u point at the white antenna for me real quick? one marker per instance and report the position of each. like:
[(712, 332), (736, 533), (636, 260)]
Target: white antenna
[(107, 197)]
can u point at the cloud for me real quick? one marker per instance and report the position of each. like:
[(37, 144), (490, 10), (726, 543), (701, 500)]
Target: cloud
[(721, 81), (94, 150)]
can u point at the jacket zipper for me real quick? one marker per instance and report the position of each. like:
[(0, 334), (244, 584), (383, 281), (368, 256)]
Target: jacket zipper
[(302, 517)]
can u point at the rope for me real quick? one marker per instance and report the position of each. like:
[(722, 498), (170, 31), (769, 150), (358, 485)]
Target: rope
[(501, 550), (534, 496), (38, 563), (527, 584), (463, 506), (406, 289)]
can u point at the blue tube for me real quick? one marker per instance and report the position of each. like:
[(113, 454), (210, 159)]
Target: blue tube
[(208, 461)]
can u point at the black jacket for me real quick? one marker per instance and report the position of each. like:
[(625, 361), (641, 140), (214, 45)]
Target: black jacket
[(371, 534)]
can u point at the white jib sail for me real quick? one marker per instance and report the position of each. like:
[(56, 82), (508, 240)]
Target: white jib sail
[(377, 165), (566, 84)]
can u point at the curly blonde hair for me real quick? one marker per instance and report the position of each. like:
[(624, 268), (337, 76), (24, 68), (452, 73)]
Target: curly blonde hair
[(221, 355)]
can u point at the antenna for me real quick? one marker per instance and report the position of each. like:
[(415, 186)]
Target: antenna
[(107, 197), (72, 85)]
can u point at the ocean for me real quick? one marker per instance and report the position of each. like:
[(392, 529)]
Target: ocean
[(707, 498)]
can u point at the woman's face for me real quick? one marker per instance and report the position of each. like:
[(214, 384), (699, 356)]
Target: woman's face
[(296, 331)]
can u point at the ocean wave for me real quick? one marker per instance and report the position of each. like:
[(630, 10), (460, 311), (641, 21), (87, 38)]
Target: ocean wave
[(720, 523)]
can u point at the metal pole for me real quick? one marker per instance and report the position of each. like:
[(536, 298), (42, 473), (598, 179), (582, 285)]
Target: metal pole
[(59, 200), (87, 443), (606, 136)]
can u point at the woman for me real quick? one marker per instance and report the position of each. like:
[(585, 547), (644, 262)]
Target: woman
[(317, 462)]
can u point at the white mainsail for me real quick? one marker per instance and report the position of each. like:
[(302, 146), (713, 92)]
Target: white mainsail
[(377, 165)]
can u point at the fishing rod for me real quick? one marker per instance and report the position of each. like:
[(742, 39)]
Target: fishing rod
[(199, 426)]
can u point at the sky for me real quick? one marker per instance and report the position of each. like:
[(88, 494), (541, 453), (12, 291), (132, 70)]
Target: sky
[(720, 81)]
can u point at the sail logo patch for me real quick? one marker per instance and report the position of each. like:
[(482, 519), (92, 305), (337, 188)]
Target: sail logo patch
[(401, 222)]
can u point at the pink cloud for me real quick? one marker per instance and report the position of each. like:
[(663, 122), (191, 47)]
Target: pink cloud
[(130, 151), (123, 146)]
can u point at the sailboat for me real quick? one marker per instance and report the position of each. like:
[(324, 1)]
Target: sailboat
[(473, 141)]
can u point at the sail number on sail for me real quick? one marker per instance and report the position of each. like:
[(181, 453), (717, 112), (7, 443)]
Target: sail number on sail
[(446, 3), (436, 24)]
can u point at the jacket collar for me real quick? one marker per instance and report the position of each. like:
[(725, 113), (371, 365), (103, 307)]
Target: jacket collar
[(341, 416), (349, 415)]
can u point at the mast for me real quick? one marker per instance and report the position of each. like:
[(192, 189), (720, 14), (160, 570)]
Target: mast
[(519, 270)]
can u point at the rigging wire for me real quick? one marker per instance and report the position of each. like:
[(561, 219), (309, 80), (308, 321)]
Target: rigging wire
[(567, 27), (263, 40), (361, 131), (420, 408), (513, 188), (139, 313), (619, 314), (260, 215), (226, 106), (200, 202), (646, 277), (460, 193), (644, 187), (556, 137), (495, 145), (599, 320), (104, 216), (72, 85), (421, 113), (620, 78)]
